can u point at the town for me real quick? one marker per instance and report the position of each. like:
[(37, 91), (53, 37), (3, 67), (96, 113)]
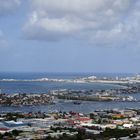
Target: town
[(17, 99), (98, 125), (97, 95), (25, 99)]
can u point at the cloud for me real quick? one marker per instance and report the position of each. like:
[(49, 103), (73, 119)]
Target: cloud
[(8, 6), (100, 22)]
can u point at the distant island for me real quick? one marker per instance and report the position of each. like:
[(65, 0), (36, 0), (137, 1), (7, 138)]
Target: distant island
[(89, 79)]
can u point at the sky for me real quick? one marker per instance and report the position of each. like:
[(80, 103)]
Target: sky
[(70, 36)]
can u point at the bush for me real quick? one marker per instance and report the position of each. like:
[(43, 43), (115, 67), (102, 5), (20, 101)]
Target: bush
[(117, 133)]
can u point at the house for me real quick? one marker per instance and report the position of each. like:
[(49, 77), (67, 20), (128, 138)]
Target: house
[(83, 120), (128, 126), (14, 124)]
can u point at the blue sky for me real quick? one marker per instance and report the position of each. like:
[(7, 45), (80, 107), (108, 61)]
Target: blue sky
[(70, 36)]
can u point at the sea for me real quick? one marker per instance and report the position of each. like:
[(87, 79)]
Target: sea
[(34, 87)]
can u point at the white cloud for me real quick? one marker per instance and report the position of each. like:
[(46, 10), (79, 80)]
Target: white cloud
[(8, 6), (101, 22)]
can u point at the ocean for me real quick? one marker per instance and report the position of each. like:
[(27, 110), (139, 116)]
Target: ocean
[(11, 87)]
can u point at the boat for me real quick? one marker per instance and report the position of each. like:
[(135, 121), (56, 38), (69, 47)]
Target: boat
[(77, 102)]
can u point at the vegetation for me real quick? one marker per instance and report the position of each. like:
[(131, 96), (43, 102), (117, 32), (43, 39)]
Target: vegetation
[(117, 133), (10, 135)]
